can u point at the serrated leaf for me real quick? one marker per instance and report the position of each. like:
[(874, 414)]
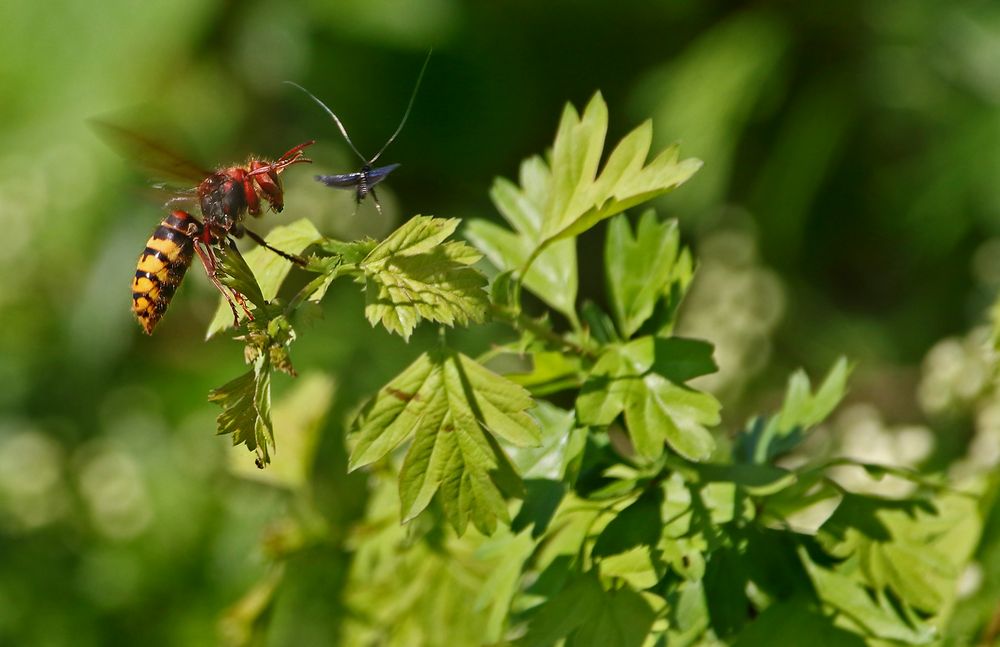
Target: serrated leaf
[(246, 409), (447, 402), (795, 622), (580, 198), (639, 269), (800, 410), (418, 235), (353, 251), (639, 524), (299, 415), (877, 617), (657, 410), (267, 269), (552, 277), (915, 547), (413, 274), (585, 614)]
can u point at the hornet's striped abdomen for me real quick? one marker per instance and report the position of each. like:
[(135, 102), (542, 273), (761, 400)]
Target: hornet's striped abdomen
[(162, 266)]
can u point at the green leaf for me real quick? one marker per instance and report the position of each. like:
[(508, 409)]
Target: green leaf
[(640, 567), (725, 591), (624, 619), (550, 371), (801, 410), (580, 198), (796, 622), (352, 252), (680, 359), (656, 409), (552, 276), (561, 443), (756, 480), (915, 547), (246, 409), (413, 274), (446, 402), (264, 269), (299, 416), (639, 524), (877, 617), (804, 409), (586, 614), (639, 269)]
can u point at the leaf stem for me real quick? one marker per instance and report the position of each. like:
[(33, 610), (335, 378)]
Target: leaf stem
[(518, 319)]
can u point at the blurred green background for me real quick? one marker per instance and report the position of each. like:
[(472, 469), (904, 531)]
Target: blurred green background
[(849, 204)]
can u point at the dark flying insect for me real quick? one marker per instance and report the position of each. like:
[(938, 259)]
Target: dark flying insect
[(225, 196), (364, 180)]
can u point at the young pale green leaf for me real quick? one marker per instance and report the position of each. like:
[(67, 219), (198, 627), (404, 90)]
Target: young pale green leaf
[(657, 410), (549, 372), (661, 323), (418, 235), (266, 268), (246, 409), (413, 274), (915, 547), (803, 409), (552, 276), (877, 617), (561, 442), (580, 198), (644, 379), (639, 269), (448, 402)]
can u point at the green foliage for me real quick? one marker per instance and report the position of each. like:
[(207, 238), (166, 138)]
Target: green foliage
[(414, 274), (496, 515), (446, 401), (246, 404)]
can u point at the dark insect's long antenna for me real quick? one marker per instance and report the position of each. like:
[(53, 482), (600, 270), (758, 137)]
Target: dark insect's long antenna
[(336, 120), (343, 131), (409, 106)]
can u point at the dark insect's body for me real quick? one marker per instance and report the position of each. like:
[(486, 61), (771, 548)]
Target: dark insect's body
[(363, 182), (162, 265)]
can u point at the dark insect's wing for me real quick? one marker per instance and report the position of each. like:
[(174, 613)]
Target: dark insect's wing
[(342, 181), (154, 156), (376, 175)]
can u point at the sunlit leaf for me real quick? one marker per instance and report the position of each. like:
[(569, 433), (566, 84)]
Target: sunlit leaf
[(656, 409), (447, 403), (553, 275), (246, 404), (639, 269), (413, 274), (801, 410), (299, 416), (581, 198)]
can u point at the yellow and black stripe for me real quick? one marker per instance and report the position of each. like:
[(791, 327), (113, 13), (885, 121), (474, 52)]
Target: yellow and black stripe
[(162, 266)]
